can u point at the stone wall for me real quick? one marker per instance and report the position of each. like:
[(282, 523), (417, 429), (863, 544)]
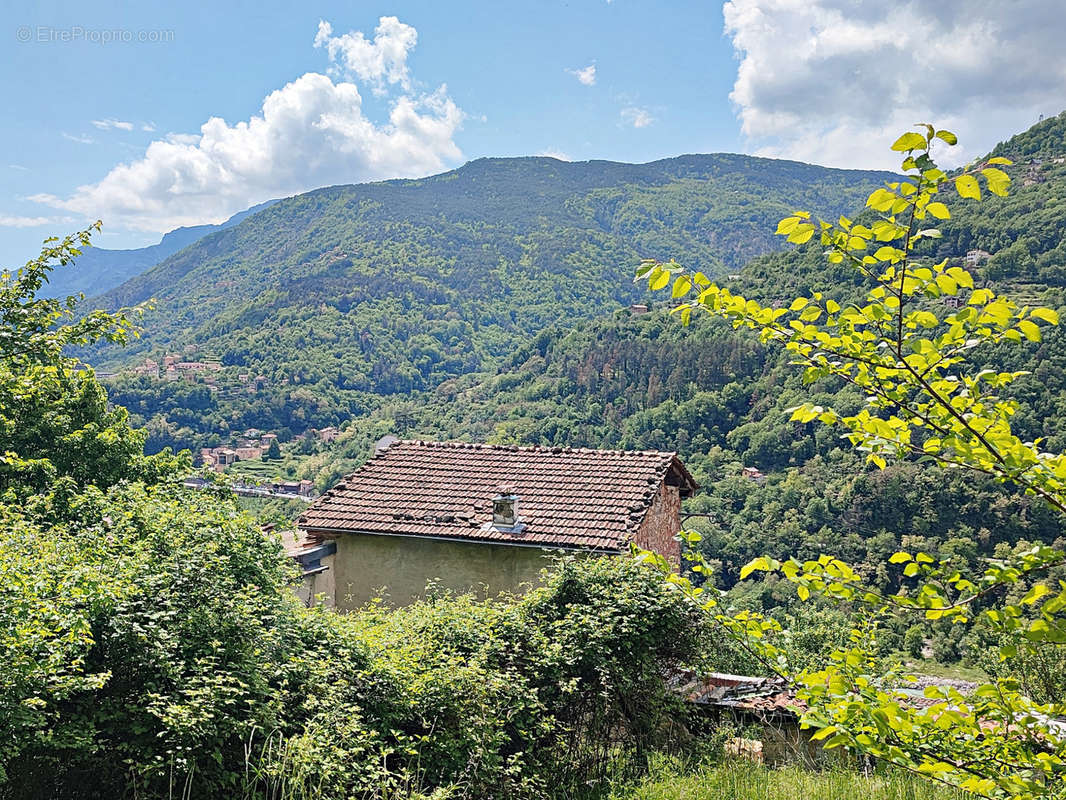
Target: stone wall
[(661, 524)]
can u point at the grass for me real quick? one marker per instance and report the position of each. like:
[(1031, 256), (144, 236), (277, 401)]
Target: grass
[(746, 781), (285, 468), (935, 669)]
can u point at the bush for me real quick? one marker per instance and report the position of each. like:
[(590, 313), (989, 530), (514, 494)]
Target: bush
[(154, 642), (523, 696), (914, 640)]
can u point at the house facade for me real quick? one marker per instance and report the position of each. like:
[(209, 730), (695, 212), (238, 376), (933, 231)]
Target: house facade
[(486, 518)]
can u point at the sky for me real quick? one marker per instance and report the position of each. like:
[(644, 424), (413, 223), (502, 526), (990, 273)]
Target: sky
[(150, 116)]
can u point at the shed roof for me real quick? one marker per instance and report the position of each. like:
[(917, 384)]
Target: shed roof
[(573, 498)]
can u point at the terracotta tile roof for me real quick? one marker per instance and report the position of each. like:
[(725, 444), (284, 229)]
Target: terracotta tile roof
[(585, 499)]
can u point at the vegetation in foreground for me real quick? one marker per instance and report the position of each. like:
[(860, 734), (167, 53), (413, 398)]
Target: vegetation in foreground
[(928, 396), (742, 780)]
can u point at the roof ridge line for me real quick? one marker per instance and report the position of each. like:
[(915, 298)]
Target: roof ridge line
[(459, 445)]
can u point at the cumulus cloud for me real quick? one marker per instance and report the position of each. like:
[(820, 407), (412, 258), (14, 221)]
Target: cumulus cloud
[(637, 117), (148, 127), (378, 61), (835, 81), (551, 152), (7, 221), (108, 124), (585, 76), (312, 132)]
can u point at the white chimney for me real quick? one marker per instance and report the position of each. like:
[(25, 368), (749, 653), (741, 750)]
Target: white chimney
[(505, 507)]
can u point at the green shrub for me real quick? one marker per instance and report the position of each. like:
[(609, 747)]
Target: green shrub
[(152, 641), (914, 640)]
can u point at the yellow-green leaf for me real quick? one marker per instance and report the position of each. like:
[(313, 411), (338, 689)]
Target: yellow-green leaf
[(966, 186), (1030, 330), (1046, 314), (938, 210), (909, 141), (658, 281)]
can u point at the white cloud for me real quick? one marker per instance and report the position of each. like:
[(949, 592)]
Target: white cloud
[(834, 81), (551, 152), (380, 61), (310, 133), (80, 139), (148, 126), (637, 117), (107, 124), (19, 167), (26, 222), (585, 76)]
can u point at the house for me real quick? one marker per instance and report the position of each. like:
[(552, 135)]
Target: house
[(484, 517), (753, 474), (218, 458), (975, 258), (327, 435)]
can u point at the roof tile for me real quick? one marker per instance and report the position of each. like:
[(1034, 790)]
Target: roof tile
[(591, 499)]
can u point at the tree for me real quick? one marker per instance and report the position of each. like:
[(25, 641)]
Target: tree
[(273, 452), (56, 428), (915, 359)]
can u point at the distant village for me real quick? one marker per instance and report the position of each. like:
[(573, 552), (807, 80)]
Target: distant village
[(176, 367), (254, 444)]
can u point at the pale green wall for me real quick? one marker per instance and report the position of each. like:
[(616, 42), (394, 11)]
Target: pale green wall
[(402, 565)]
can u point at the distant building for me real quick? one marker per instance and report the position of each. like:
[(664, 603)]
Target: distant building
[(218, 458), (753, 474), (327, 435), (638, 308), (974, 258), (479, 517), (149, 368)]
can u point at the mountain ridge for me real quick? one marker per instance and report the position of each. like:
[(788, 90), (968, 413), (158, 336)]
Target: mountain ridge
[(101, 269)]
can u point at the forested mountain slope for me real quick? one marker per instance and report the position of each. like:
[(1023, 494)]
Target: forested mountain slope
[(99, 269), (344, 294)]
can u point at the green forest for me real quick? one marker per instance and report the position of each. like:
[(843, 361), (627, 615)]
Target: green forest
[(344, 296)]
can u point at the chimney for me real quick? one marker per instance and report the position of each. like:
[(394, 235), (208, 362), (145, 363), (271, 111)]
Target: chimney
[(384, 443), (505, 507)]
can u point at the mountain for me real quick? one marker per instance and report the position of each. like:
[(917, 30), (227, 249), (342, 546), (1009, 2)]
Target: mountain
[(349, 293), (99, 270)]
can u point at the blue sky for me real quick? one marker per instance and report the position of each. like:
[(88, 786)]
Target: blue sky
[(228, 104)]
